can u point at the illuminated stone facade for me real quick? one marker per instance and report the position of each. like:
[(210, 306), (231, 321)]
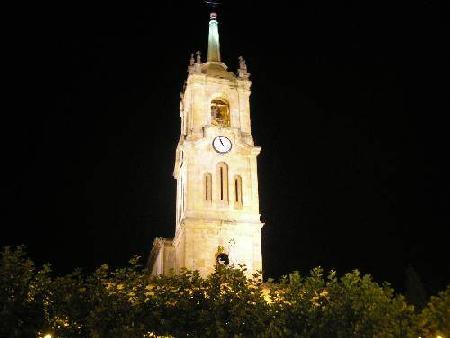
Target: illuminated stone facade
[(217, 207)]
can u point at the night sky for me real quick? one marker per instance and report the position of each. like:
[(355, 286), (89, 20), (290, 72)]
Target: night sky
[(349, 104)]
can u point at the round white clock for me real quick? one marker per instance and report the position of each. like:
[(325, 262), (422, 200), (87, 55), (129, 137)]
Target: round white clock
[(222, 144)]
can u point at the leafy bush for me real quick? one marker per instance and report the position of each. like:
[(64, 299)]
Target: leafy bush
[(127, 302), (435, 317)]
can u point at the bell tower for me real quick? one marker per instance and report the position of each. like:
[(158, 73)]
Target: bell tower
[(217, 204)]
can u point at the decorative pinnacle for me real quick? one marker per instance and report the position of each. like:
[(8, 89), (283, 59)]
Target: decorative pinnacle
[(242, 71)]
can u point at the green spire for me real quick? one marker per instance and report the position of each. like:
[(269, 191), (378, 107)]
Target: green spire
[(213, 39)]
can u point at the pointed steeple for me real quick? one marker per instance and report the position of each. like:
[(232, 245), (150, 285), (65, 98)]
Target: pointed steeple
[(213, 39)]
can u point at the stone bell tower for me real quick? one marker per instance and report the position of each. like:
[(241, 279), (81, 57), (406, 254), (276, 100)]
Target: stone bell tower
[(217, 206)]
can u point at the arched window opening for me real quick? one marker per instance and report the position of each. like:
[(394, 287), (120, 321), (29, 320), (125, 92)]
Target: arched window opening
[(220, 113), (208, 187), (222, 177), (238, 192)]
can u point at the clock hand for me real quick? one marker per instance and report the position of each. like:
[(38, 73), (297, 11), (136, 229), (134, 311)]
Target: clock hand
[(221, 142)]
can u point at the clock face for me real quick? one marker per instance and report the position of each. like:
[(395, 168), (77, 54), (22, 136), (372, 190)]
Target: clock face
[(222, 144)]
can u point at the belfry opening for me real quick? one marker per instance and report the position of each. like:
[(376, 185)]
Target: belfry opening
[(220, 113)]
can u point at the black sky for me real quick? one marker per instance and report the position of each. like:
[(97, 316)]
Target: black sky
[(349, 104)]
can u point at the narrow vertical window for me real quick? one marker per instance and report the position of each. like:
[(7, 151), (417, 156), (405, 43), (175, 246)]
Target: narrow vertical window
[(238, 192), (221, 183), (222, 178), (182, 195), (180, 200), (208, 187)]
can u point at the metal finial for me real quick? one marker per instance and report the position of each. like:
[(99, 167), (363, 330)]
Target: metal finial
[(212, 3)]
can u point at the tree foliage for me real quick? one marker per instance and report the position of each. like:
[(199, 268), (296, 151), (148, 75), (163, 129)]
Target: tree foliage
[(327, 306), (127, 302), (435, 317), (23, 294)]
